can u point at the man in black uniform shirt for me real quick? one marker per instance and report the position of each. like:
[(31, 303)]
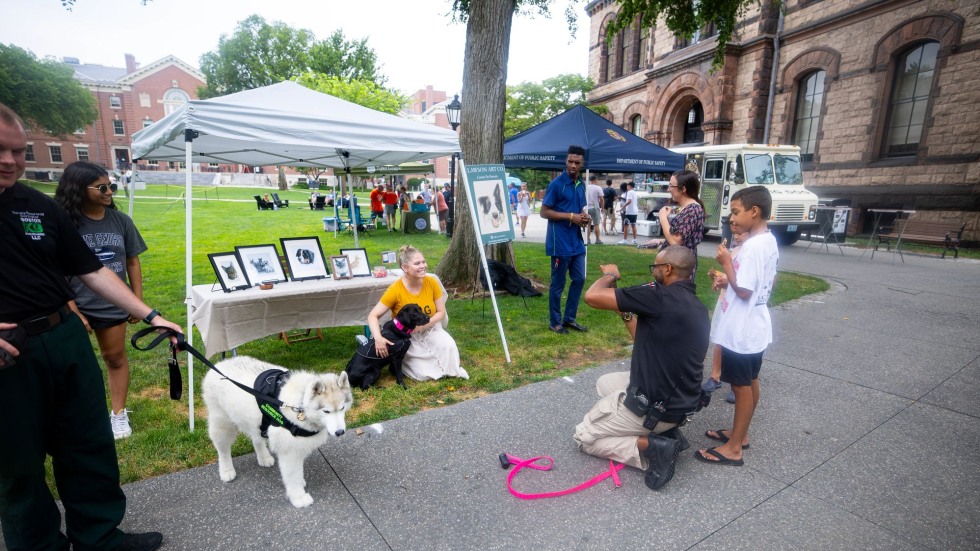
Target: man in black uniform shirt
[(635, 421), (50, 382)]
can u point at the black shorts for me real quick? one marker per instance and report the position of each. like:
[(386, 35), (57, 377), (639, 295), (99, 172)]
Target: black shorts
[(740, 369), (104, 323), (629, 219)]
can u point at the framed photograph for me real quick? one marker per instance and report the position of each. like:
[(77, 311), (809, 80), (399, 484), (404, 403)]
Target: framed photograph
[(389, 257), (304, 256), (358, 259), (228, 268), (261, 263), (340, 266)]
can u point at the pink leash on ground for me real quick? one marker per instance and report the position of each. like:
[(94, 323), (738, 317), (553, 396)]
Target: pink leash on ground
[(507, 460)]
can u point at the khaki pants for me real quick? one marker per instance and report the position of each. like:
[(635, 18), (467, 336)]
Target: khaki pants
[(609, 429)]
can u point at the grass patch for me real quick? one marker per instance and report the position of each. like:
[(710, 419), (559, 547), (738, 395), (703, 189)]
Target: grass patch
[(162, 444)]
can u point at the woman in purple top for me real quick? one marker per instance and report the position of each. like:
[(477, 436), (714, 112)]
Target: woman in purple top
[(682, 221)]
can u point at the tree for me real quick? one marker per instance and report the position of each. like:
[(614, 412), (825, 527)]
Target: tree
[(531, 103), (261, 53), (44, 93), (361, 92)]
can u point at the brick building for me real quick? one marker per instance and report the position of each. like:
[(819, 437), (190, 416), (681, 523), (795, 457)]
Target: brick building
[(879, 94), (429, 106), (128, 99)]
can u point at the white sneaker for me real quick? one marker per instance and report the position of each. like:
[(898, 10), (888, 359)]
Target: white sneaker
[(120, 424), (634, 241), (623, 242)]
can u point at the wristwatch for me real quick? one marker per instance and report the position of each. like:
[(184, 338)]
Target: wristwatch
[(612, 275), (627, 316), (149, 317)]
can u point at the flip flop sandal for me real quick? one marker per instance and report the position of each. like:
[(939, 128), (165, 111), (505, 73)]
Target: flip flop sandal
[(721, 437), (722, 460)]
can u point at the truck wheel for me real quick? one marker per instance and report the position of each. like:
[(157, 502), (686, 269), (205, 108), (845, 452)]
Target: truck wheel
[(786, 238)]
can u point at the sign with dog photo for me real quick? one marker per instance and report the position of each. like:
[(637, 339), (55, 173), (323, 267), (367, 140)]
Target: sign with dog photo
[(488, 195)]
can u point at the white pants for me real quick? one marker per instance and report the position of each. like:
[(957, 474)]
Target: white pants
[(433, 355), (609, 429)]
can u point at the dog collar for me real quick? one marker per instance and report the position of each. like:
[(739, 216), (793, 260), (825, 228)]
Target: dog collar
[(401, 327)]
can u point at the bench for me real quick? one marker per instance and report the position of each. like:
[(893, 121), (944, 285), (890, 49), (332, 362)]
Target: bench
[(945, 234)]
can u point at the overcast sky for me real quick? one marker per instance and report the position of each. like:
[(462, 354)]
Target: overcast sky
[(415, 40)]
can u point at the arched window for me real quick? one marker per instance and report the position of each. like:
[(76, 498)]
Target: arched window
[(809, 104), (692, 124), (914, 72), (636, 125), (174, 98)]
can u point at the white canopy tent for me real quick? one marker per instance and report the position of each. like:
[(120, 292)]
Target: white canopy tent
[(282, 124)]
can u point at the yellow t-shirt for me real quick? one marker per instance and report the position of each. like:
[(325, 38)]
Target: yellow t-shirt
[(397, 296)]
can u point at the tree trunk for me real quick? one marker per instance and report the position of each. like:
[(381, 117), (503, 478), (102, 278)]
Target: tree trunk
[(482, 126), (282, 179)]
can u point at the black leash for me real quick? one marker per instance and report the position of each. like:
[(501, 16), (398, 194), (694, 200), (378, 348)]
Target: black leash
[(164, 333)]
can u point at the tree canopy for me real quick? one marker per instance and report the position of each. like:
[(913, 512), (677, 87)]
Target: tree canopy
[(44, 93), (531, 103), (260, 53), (361, 92)]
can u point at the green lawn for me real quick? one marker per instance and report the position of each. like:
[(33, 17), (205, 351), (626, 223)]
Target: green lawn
[(161, 442)]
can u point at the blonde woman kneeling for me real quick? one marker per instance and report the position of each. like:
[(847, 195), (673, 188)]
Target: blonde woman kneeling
[(433, 353)]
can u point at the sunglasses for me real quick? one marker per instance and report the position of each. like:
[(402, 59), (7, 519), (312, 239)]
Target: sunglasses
[(103, 188), (654, 266)]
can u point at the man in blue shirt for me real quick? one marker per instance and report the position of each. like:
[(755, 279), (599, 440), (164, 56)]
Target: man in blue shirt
[(512, 193), (563, 207)]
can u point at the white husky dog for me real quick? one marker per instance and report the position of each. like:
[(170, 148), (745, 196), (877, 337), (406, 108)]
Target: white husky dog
[(316, 402)]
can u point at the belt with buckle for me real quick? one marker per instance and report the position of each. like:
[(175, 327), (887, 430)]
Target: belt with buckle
[(38, 325)]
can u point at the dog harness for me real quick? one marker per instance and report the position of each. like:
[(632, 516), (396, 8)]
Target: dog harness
[(265, 389), (507, 460), (267, 384)]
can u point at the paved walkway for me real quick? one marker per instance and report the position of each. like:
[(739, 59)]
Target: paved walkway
[(866, 438)]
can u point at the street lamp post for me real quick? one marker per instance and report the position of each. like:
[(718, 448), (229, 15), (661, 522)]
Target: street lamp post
[(453, 113)]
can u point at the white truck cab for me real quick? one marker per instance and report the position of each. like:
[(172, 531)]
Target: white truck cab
[(725, 169)]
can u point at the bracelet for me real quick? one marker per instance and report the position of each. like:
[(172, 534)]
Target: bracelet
[(570, 215), (614, 276), (149, 317), (627, 316)]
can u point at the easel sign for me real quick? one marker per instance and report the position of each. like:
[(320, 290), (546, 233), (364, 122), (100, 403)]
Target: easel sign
[(483, 183), (493, 218)]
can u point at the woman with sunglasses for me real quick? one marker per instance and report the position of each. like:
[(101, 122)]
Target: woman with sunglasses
[(85, 192)]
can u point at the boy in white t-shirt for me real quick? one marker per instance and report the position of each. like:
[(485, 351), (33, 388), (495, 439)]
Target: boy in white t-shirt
[(629, 213), (745, 328)]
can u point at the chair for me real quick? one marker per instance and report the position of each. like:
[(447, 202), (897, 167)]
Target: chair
[(363, 226), (278, 202), (321, 201), (262, 203)]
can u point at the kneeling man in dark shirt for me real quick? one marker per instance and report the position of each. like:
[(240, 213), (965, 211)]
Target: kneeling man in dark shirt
[(635, 421)]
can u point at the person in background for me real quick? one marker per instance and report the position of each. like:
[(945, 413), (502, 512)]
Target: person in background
[(377, 202), (629, 213), (442, 210), (86, 194), (609, 208), (391, 206), (523, 206), (563, 207), (512, 198), (433, 353), (682, 222), (50, 380), (593, 197)]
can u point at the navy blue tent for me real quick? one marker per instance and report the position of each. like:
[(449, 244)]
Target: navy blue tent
[(608, 147)]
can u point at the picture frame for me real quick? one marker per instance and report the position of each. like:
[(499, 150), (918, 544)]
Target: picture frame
[(261, 264), (360, 266), (340, 267), (231, 274), (389, 257), (304, 256)]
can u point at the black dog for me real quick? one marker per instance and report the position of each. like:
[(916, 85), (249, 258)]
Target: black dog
[(365, 367)]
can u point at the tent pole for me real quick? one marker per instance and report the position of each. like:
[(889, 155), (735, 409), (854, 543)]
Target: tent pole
[(585, 269), (353, 206), (189, 136)]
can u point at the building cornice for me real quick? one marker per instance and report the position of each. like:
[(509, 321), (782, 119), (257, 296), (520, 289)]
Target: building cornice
[(871, 8), (158, 66)]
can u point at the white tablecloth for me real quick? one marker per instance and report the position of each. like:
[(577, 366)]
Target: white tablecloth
[(227, 320)]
